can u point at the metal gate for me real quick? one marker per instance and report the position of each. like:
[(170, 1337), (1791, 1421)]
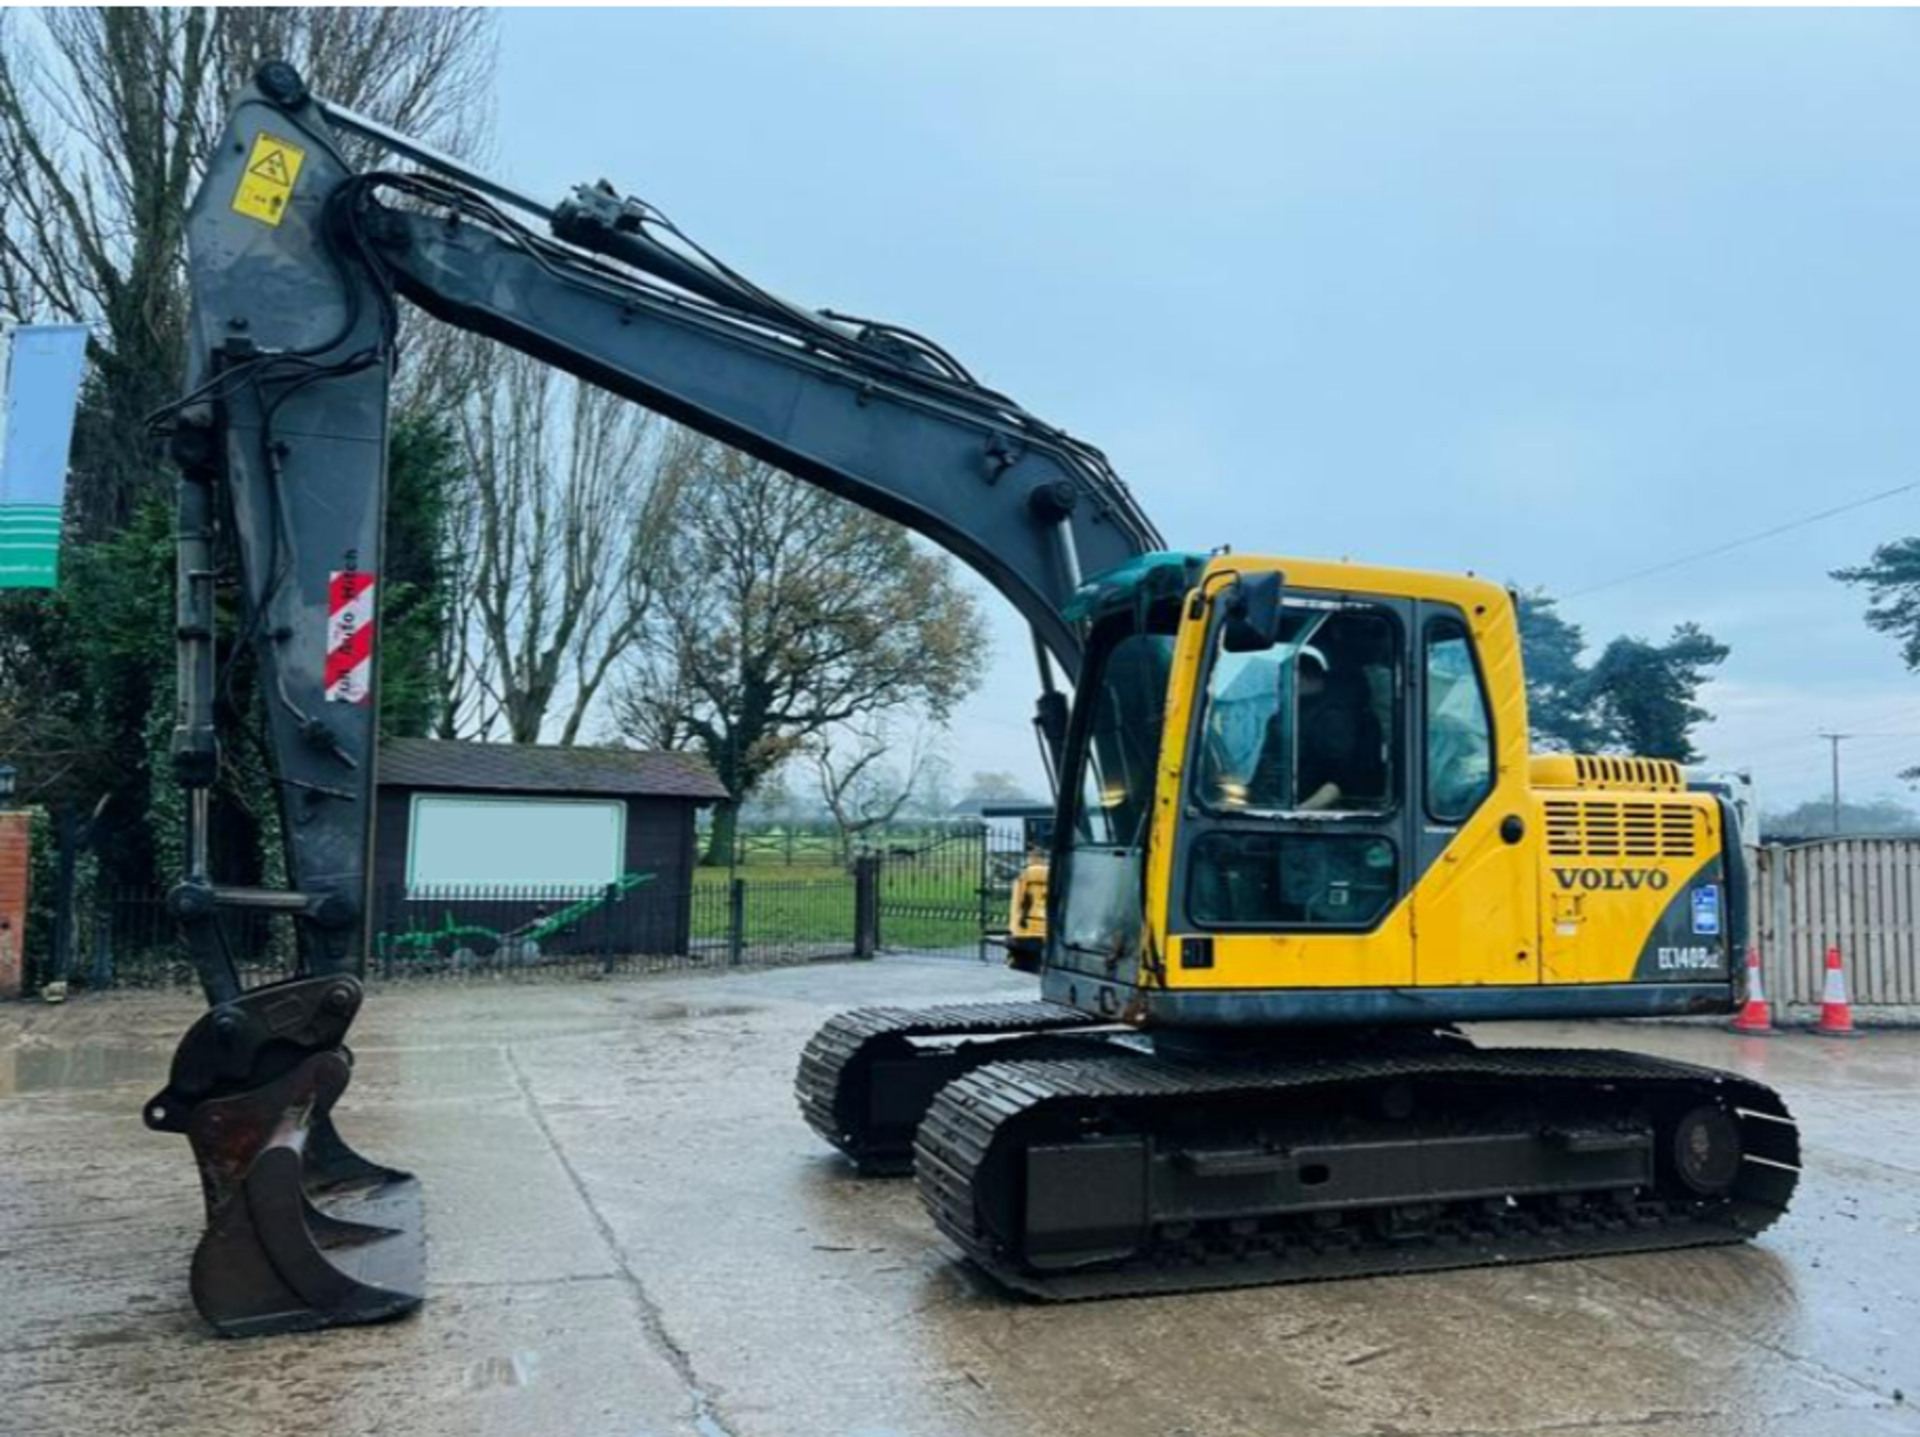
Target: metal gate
[(949, 894)]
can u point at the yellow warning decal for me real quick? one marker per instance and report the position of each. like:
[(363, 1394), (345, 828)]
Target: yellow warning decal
[(268, 183)]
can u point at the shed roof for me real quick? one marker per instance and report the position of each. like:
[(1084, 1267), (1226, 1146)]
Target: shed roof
[(545, 768)]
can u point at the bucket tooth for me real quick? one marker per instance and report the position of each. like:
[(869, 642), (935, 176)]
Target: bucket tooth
[(309, 1234)]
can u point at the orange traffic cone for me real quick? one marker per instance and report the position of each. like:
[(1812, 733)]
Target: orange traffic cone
[(1836, 1014), (1756, 1016)]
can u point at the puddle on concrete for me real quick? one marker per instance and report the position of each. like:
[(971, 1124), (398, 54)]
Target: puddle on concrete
[(78, 1067)]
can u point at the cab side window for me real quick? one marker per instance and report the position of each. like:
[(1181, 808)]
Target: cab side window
[(1459, 732)]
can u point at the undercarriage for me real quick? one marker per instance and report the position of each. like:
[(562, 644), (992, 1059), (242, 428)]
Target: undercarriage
[(868, 1076), (1108, 1166)]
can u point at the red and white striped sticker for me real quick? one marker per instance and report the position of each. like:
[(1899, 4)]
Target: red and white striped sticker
[(350, 637)]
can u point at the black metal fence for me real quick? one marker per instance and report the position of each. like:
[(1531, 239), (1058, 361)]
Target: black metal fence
[(942, 891), (129, 939), (720, 920)]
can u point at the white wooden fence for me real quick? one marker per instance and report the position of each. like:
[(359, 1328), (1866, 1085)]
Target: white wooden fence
[(1860, 893)]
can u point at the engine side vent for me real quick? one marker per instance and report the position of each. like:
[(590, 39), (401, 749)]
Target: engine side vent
[(1600, 771), (1605, 828)]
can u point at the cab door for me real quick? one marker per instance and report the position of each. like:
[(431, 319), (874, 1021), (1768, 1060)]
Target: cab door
[(1475, 905), (1291, 864)]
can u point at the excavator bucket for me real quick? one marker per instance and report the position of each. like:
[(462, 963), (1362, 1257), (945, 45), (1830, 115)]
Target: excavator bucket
[(302, 1231)]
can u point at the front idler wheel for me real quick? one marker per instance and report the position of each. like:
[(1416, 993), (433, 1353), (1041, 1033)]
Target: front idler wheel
[(1704, 1149)]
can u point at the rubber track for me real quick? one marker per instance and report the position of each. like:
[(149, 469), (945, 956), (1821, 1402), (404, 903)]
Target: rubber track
[(959, 1130), (831, 1059)]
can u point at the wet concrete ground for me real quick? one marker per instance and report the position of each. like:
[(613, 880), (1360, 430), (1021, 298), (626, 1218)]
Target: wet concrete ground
[(633, 1233)]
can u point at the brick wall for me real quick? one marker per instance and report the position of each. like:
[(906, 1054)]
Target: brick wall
[(16, 846)]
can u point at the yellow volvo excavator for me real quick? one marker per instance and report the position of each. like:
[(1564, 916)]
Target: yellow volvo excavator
[(1300, 838), (1299, 835)]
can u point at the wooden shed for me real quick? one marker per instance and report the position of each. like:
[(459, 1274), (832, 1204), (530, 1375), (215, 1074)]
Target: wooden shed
[(495, 839)]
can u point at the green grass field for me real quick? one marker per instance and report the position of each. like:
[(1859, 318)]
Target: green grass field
[(936, 905)]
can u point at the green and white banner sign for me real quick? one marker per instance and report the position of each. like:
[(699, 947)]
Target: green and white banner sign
[(44, 368)]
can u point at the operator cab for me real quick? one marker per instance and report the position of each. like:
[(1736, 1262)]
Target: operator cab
[(1266, 759)]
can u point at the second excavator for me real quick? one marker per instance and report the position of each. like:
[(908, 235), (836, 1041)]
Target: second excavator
[(1299, 839)]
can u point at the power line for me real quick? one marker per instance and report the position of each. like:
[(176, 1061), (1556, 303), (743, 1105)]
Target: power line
[(1790, 750), (1793, 753), (1897, 716), (1812, 769), (1743, 542)]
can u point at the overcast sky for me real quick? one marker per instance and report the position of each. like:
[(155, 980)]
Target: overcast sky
[(1550, 296)]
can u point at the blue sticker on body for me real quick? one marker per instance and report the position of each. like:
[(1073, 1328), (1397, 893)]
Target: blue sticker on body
[(1706, 908)]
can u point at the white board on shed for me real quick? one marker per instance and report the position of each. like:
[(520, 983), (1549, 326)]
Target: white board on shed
[(465, 842)]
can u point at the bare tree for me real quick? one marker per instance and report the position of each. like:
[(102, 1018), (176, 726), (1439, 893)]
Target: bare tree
[(933, 791), (461, 708), (106, 118), (866, 779), (562, 540), (426, 72), (784, 612), (107, 115)]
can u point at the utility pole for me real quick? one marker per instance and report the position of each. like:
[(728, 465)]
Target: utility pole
[(1834, 739)]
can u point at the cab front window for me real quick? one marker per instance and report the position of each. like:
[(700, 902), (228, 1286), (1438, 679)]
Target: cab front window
[(1305, 726), (1297, 779)]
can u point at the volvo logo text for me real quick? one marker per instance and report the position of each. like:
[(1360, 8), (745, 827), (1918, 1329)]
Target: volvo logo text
[(1620, 879)]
